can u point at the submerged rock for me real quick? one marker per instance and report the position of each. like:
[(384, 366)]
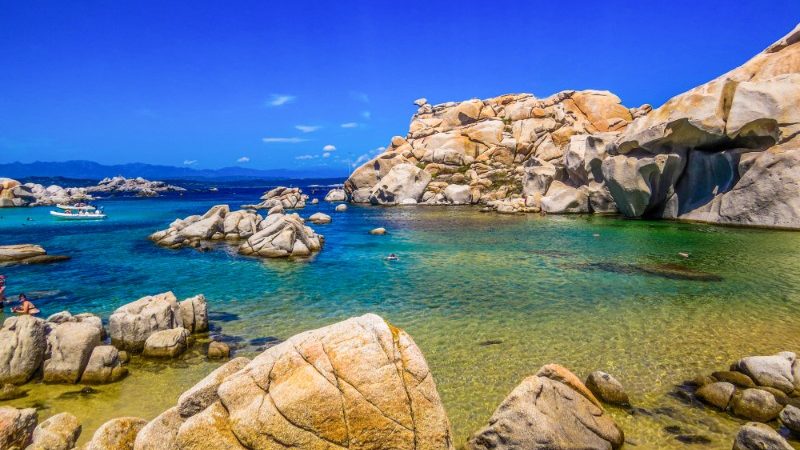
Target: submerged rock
[(757, 436), (607, 388), (664, 270), (218, 350)]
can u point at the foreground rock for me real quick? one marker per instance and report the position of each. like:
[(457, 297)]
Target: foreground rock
[(16, 427), (27, 254), (23, 344), (133, 186), (336, 195), (283, 235), (607, 388), (551, 410), (287, 198), (166, 343), (757, 436), (218, 223), (130, 325), (71, 343), (59, 432), (105, 366), (116, 434), (369, 385)]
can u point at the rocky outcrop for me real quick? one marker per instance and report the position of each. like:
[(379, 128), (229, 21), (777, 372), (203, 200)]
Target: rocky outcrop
[(724, 152), (336, 195), (218, 223), (23, 345), (282, 235), (552, 410), (16, 427), (286, 198), (132, 186), (27, 254), (13, 193), (71, 342), (369, 383), (130, 325)]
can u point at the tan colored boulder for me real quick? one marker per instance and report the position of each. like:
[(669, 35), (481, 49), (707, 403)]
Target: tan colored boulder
[(319, 218), (160, 433), (211, 429), (166, 343), (130, 325), (70, 345), (562, 198), (218, 350), (204, 393), (23, 344), (16, 427), (104, 366), (404, 181), (116, 434), (58, 432), (336, 195), (194, 314), (283, 235), (758, 436)]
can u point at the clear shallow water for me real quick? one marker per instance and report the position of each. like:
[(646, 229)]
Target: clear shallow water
[(546, 288)]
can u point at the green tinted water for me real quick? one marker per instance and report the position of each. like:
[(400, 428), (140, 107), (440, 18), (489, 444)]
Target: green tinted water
[(488, 298)]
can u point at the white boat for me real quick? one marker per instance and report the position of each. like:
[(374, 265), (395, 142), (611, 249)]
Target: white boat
[(82, 215), (77, 207)]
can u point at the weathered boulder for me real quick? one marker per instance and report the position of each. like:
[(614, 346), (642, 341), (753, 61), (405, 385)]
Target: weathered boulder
[(58, 432), (790, 418), (287, 198), (758, 436), (538, 176), (607, 388), (8, 197), (458, 194), (204, 393), (166, 343), (368, 382), (130, 325), (641, 182), (755, 404), (27, 254), (194, 314), (116, 434), (282, 235), (23, 345), (138, 186), (104, 366), (218, 350), (319, 218), (160, 433), (70, 344), (216, 224), (736, 378), (404, 181), (336, 195), (774, 371), (717, 394), (562, 198), (16, 427), (550, 410)]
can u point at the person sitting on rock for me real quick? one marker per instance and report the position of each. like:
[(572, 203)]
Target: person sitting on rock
[(26, 306), (2, 290)]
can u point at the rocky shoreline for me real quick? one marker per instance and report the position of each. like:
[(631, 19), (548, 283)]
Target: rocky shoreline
[(713, 154), (372, 389)]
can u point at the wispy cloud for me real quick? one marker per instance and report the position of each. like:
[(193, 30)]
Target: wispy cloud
[(367, 156), (283, 140), (366, 114), (301, 157), (307, 128), (349, 125), (329, 148), (189, 162), (326, 155), (280, 99), (359, 96), (243, 159)]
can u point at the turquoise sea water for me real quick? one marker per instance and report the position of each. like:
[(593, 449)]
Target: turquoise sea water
[(488, 298)]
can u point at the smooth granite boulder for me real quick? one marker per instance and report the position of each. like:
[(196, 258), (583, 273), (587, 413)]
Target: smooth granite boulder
[(212, 429), (27, 254), (336, 195), (562, 199), (458, 194), (23, 345), (160, 433), (755, 404), (71, 343), (551, 411), (204, 393), (166, 343), (104, 366), (717, 394), (218, 350), (790, 418), (404, 181), (16, 427), (341, 208), (758, 436), (130, 325), (58, 432), (319, 218), (194, 314), (774, 371), (116, 434), (282, 235), (287, 198), (607, 388)]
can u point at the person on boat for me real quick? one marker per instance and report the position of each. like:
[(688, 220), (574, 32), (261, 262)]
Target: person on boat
[(2, 290), (26, 306), (392, 257)]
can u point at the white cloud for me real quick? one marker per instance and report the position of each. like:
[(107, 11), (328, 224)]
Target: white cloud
[(189, 162), (366, 114), (280, 99), (360, 96), (243, 159), (326, 155), (329, 148), (367, 156), (305, 157), (283, 140), (350, 125), (308, 128)]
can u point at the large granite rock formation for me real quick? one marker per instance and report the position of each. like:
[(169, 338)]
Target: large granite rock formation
[(131, 324), (218, 223), (286, 198), (551, 410), (724, 152), (132, 186), (369, 385), (282, 235), (13, 193)]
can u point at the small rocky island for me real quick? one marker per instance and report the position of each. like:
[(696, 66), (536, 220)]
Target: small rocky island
[(27, 254), (13, 193)]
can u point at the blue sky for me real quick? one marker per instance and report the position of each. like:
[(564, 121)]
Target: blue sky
[(274, 84)]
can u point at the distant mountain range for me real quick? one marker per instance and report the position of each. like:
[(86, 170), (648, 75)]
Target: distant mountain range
[(95, 171)]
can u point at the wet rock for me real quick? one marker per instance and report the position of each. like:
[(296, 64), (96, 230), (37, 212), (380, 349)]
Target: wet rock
[(755, 404), (116, 434), (11, 392), (194, 314), (547, 411), (607, 388), (283, 235), (23, 344), (105, 366), (218, 350), (319, 218), (717, 394), (336, 195), (160, 433), (130, 325), (83, 392), (771, 371), (790, 418), (736, 378), (166, 343), (204, 393), (16, 427), (59, 432), (757, 436), (378, 231)]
